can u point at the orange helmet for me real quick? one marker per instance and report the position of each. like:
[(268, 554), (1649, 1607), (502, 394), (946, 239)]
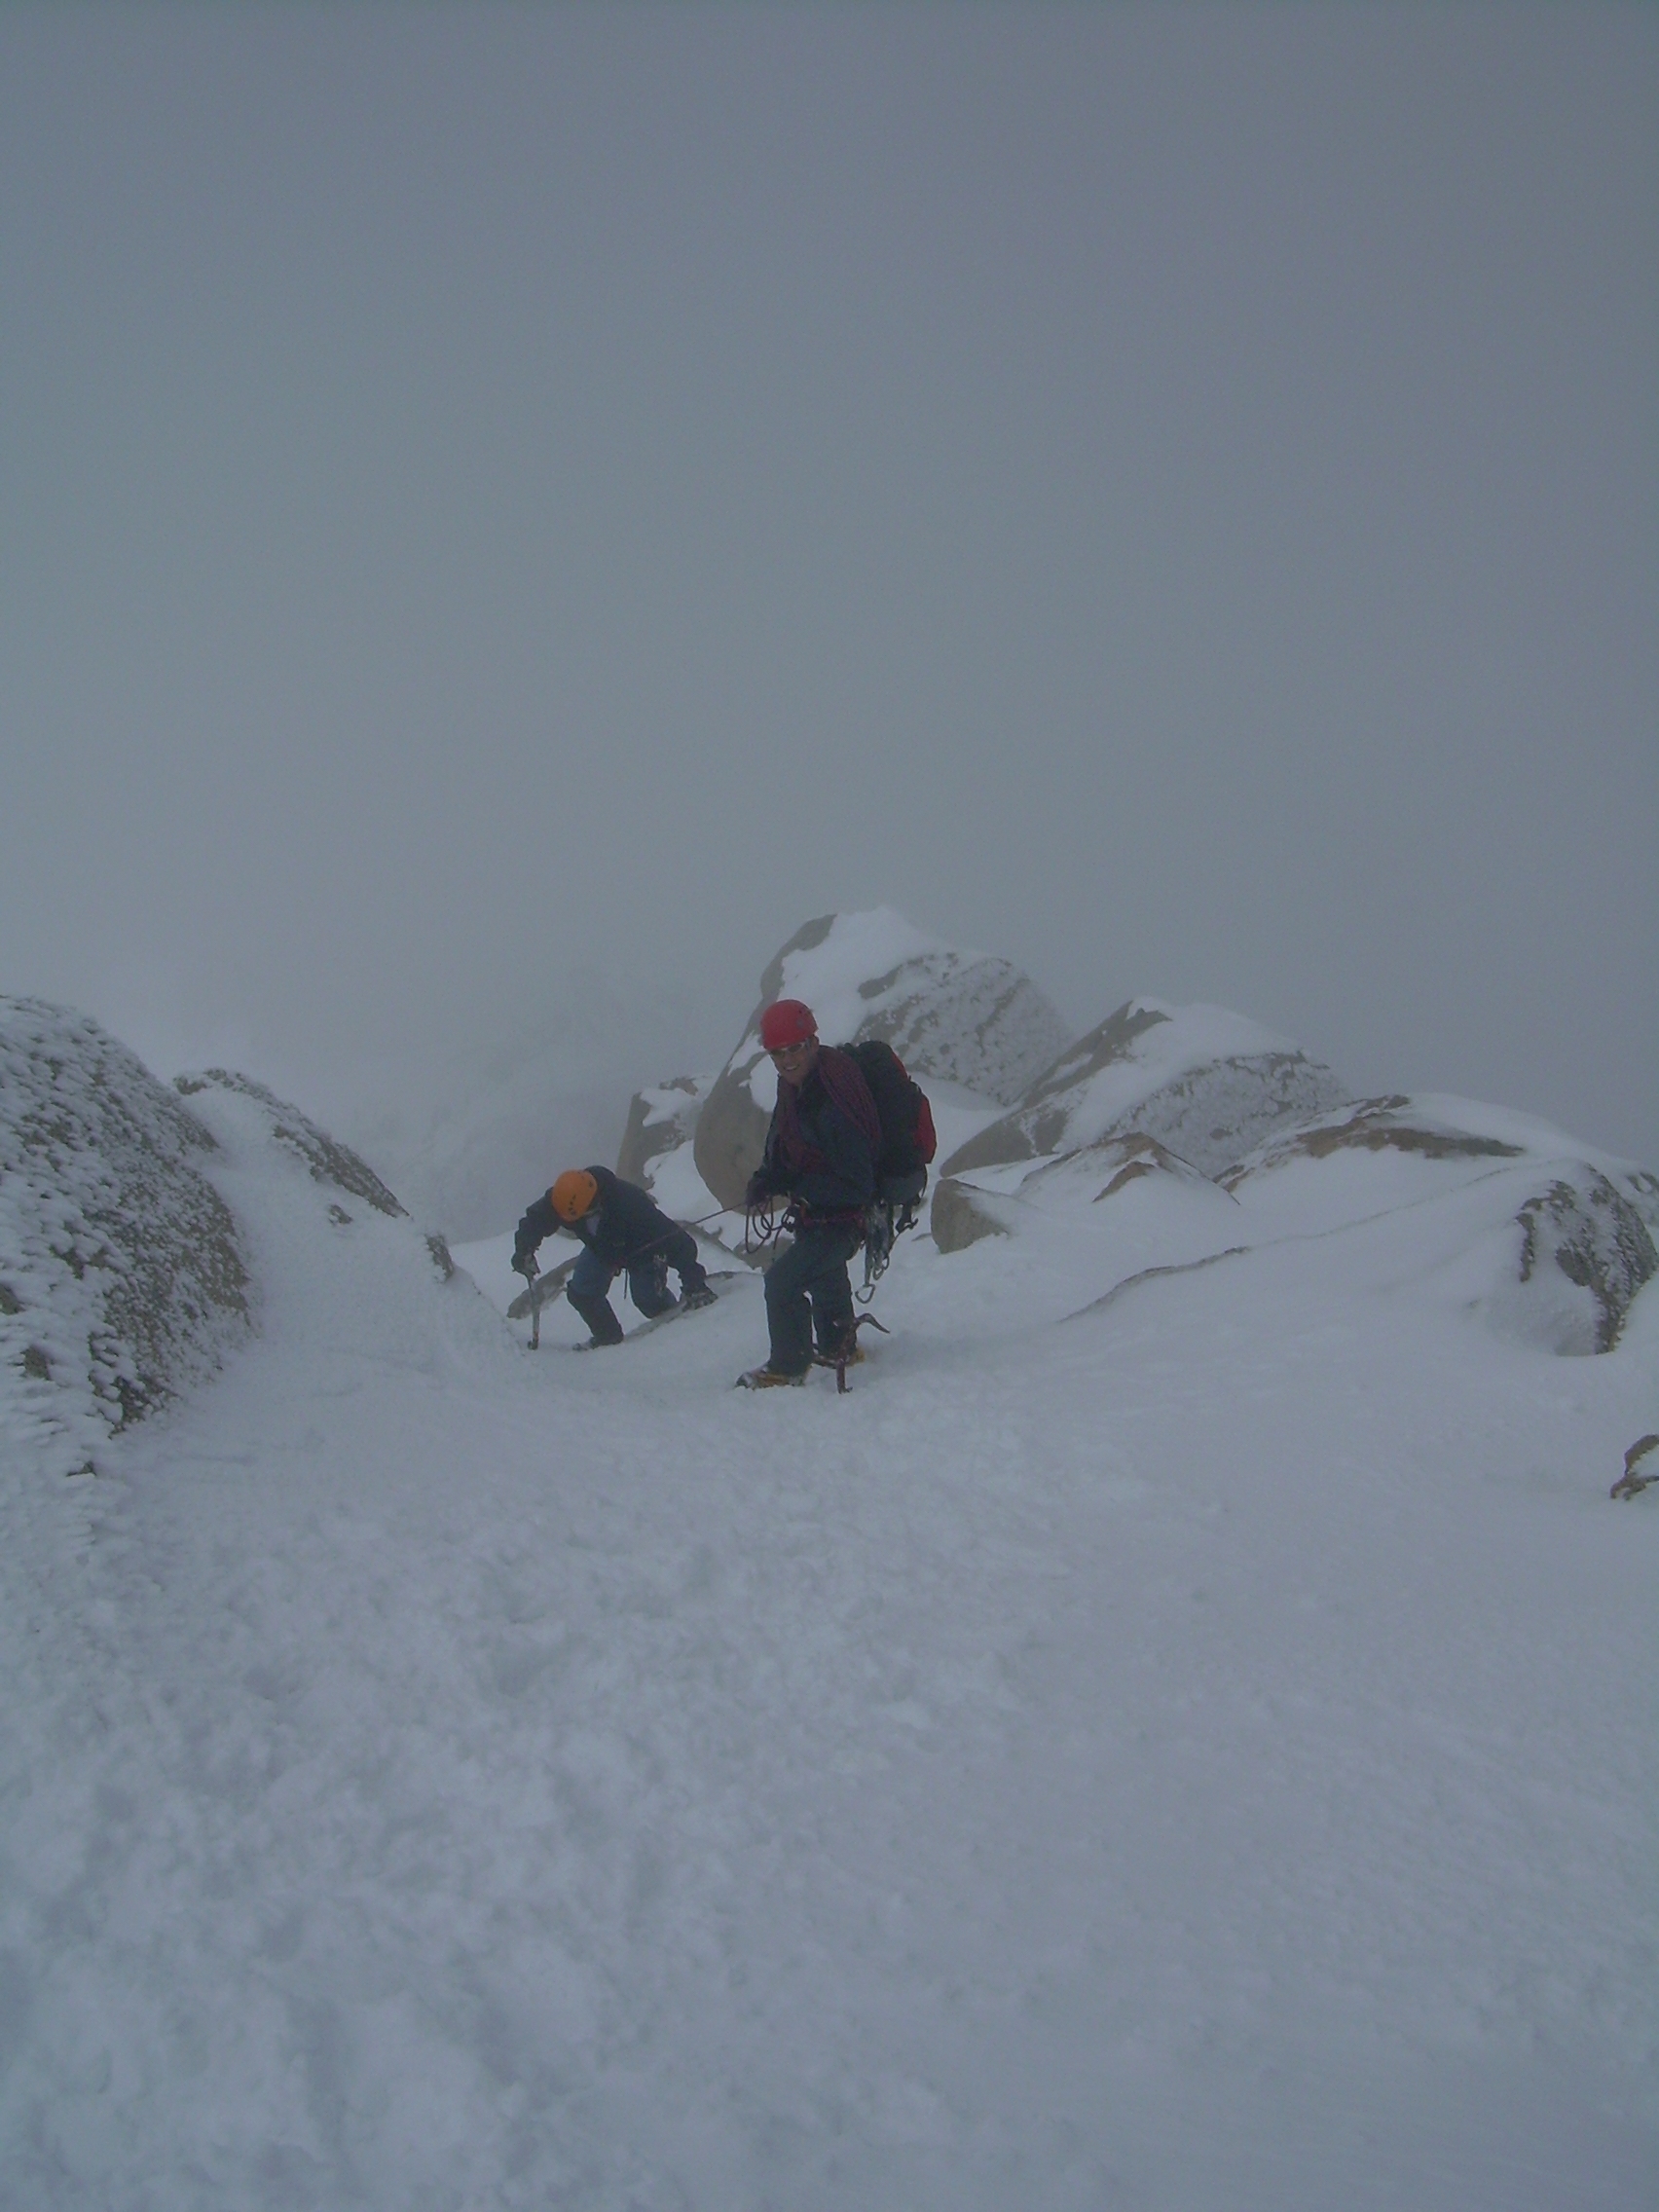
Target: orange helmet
[(575, 1193)]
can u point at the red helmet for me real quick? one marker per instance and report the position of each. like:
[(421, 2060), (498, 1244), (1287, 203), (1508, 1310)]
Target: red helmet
[(785, 1022)]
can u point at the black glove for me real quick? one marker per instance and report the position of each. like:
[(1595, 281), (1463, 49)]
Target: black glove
[(696, 1294), (760, 1187), (524, 1263)]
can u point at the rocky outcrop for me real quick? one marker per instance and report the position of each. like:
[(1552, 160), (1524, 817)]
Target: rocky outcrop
[(960, 1215), (660, 1121), (1590, 1232), (121, 1280), (960, 1017), (731, 1134), (1206, 1084)]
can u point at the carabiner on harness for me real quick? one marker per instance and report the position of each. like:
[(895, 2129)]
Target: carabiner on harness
[(885, 1221)]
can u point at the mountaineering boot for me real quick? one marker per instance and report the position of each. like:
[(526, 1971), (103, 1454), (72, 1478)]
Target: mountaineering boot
[(850, 1353), (769, 1379), (843, 1351), (698, 1295)]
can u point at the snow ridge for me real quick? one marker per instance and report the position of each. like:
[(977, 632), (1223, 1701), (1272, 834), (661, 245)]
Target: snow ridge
[(327, 1158), (1206, 1084)]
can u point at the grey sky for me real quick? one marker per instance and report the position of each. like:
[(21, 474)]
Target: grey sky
[(506, 512)]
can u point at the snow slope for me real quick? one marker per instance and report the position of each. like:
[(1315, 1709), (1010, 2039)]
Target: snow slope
[(1547, 1241), (1193, 1751)]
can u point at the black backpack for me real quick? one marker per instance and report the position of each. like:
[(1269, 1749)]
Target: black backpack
[(907, 1139)]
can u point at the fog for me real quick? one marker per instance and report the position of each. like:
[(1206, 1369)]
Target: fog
[(505, 513)]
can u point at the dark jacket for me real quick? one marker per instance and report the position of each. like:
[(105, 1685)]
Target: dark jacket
[(841, 1180), (626, 1228)]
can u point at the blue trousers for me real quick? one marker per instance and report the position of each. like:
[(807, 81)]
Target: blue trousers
[(808, 1295), (590, 1283)]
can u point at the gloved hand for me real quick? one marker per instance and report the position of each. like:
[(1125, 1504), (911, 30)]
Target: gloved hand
[(759, 1190), (699, 1294), (524, 1263)]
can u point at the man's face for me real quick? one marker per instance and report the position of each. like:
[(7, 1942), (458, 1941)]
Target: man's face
[(794, 1062)]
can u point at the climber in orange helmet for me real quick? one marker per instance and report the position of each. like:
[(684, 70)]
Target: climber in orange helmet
[(622, 1229)]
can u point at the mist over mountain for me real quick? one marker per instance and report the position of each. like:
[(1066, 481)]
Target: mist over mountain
[(472, 1129), (503, 499)]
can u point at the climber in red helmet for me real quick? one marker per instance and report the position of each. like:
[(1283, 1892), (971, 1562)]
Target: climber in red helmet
[(821, 1154)]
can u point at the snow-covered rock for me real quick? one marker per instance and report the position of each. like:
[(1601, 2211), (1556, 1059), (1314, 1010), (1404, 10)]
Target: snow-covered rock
[(324, 1158), (1584, 1232), (660, 1119), (961, 1215), (1392, 1123), (1104, 1216), (252, 1123), (1208, 1084), (122, 1277), (1501, 1215), (657, 1146), (1557, 1238), (965, 1209), (958, 1018)]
